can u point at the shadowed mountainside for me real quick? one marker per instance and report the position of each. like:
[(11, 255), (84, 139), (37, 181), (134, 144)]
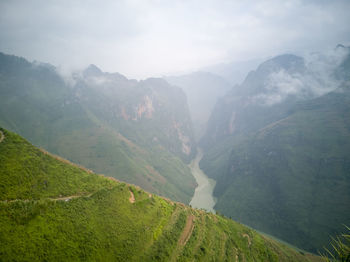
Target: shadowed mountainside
[(278, 146), (139, 132)]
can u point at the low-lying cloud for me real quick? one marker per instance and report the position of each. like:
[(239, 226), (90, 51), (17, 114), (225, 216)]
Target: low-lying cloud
[(318, 79)]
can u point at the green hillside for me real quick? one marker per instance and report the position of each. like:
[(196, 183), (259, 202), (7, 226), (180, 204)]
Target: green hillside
[(51, 210), (138, 132)]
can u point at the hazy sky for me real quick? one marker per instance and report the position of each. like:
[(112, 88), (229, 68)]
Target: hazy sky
[(154, 37)]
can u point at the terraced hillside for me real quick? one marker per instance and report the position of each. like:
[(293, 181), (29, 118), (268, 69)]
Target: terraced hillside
[(52, 210)]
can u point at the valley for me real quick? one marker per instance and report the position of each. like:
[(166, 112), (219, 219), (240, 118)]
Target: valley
[(182, 131), (268, 159), (203, 194)]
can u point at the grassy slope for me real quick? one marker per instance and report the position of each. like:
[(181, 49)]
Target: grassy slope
[(103, 225), (291, 178), (28, 173)]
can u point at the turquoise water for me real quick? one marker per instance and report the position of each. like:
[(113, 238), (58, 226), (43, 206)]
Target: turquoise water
[(203, 195)]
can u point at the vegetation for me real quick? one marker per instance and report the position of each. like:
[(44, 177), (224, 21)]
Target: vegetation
[(103, 224), (98, 126), (285, 169), (290, 179), (340, 248), (28, 173)]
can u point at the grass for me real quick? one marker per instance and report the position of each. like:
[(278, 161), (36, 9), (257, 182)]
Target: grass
[(103, 225), (340, 248)]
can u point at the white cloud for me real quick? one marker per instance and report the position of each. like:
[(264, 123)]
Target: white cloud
[(150, 37), (318, 79)]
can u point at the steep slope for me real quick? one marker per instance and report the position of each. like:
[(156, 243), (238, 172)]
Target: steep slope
[(259, 101), (202, 90), (107, 220), (281, 161), (149, 112), (291, 179), (139, 132), (256, 102)]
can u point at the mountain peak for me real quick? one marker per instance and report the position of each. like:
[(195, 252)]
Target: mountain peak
[(285, 61), (92, 70), (340, 46)]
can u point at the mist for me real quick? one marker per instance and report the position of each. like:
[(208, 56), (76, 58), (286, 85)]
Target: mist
[(152, 38), (318, 78)]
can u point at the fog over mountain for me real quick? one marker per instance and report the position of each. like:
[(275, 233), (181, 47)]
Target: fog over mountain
[(315, 78), (152, 38), (150, 130)]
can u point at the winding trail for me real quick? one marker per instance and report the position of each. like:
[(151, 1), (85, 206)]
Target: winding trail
[(187, 232), (184, 237), (132, 197), (66, 198)]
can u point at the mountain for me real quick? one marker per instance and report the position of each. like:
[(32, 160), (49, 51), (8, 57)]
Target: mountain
[(256, 101), (53, 210), (278, 147), (202, 90), (137, 131)]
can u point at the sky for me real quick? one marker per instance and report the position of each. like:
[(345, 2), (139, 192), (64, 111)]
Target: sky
[(144, 38)]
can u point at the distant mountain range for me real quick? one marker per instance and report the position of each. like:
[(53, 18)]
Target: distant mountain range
[(137, 131), (278, 146)]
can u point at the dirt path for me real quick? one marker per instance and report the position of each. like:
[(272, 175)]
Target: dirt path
[(186, 233), (248, 237), (185, 236), (66, 198), (132, 197), (2, 136)]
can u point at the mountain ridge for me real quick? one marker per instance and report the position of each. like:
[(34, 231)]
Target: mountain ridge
[(282, 167), (96, 120)]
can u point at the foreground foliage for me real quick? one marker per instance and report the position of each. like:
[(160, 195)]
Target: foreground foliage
[(340, 248)]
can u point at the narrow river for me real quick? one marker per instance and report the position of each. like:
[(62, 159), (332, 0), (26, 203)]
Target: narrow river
[(203, 195)]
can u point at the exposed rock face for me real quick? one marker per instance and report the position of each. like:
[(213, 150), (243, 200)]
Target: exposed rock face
[(140, 110), (185, 140), (145, 109)]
